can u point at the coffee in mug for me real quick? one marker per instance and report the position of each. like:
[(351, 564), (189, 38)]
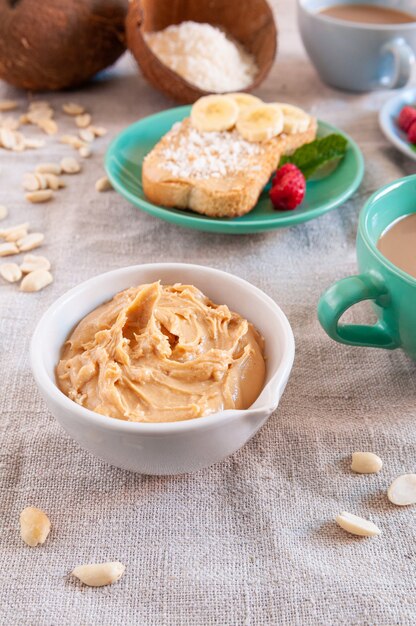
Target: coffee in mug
[(386, 256), (398, 244)]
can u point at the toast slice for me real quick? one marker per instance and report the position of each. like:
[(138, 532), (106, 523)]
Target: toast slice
[(214, 173)]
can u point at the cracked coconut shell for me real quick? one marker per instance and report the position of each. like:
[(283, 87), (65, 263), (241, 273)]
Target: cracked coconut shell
[(250, 22)]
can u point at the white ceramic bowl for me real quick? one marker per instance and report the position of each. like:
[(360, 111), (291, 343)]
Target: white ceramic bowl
[(166, 448)]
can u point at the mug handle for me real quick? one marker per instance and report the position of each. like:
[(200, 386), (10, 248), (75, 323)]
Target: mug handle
[(403, 57), (341, 296)]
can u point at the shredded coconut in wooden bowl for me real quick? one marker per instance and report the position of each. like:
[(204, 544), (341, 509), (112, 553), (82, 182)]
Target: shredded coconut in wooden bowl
[(204, 56)]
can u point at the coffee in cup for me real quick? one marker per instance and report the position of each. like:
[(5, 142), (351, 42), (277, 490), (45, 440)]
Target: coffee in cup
[(398, 244), (367, 14), (359, 46)]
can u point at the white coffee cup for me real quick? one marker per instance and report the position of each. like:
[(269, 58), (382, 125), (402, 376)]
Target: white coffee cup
[(358, 56)]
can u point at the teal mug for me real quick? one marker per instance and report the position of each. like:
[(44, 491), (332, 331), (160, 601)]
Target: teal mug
[(392, 291)]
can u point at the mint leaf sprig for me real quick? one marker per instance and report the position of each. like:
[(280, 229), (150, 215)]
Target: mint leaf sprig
[(320, 157)]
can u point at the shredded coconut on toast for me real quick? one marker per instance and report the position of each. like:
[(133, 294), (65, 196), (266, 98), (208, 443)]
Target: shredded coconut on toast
[(200, 155)]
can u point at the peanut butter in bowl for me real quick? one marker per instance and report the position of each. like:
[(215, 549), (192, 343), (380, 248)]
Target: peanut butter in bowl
[(162, 353)]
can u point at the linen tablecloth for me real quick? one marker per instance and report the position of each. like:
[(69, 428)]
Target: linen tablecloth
[(251, 540)]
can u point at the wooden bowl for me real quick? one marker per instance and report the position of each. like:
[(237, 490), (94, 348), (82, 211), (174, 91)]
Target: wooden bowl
[(250, 22)]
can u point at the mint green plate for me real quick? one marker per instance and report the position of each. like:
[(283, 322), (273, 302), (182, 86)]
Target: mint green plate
[(123, 163)]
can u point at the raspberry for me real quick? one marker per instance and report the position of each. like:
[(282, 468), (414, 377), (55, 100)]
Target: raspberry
[(289, 189), (285, 169), (411, 133), (406, 118)]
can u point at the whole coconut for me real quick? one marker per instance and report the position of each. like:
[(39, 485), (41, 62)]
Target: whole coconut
[(49, 45)]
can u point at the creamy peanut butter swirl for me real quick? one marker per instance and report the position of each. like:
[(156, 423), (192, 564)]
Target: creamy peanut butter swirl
[(162, 353)]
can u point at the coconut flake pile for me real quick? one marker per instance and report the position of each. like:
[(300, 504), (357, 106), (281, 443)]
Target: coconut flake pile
[(204, 155), (204, 56)]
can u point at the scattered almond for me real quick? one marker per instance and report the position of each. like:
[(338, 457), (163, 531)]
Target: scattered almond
[(34, 143), (72, 140), (43, 195), (34, 526), (39, 115), (12, 123), (6, 249), (82, 121), (19, 142), (357, 525), (15, 232), (50, 127), (30, 242), (99, 574), (3, 212), (42, 182), (8, 138), (32, 262), (86, 135), (70, 165), (366, 463), (35, 281), (30, 182), (71, 108), (10, 272), (99, 131), (8, 105), (85, 152), (54, 182), (103, 184), (39, 104), (23, 119), (402, 490), (48, 168)]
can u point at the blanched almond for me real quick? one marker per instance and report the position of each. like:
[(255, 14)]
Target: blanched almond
[(85, 152), (8, 105), (402, 490), (99, 574), (35, 281), (86, 135), (366, 463), (99, 131), (39, 115), (54, 182), (34, 526), (15, 232), (82, 121), (103, 184), (71, 108), (43, 184), (34, 143), (10, 272), (72, 140), (30, 242), (32, 262), (70, 165), (30, 182), (12, 123), (50, 127), (43, 195), (3, 212), (7, 249), (39, 104), (8, 138), (357, 525), (48, 168)]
